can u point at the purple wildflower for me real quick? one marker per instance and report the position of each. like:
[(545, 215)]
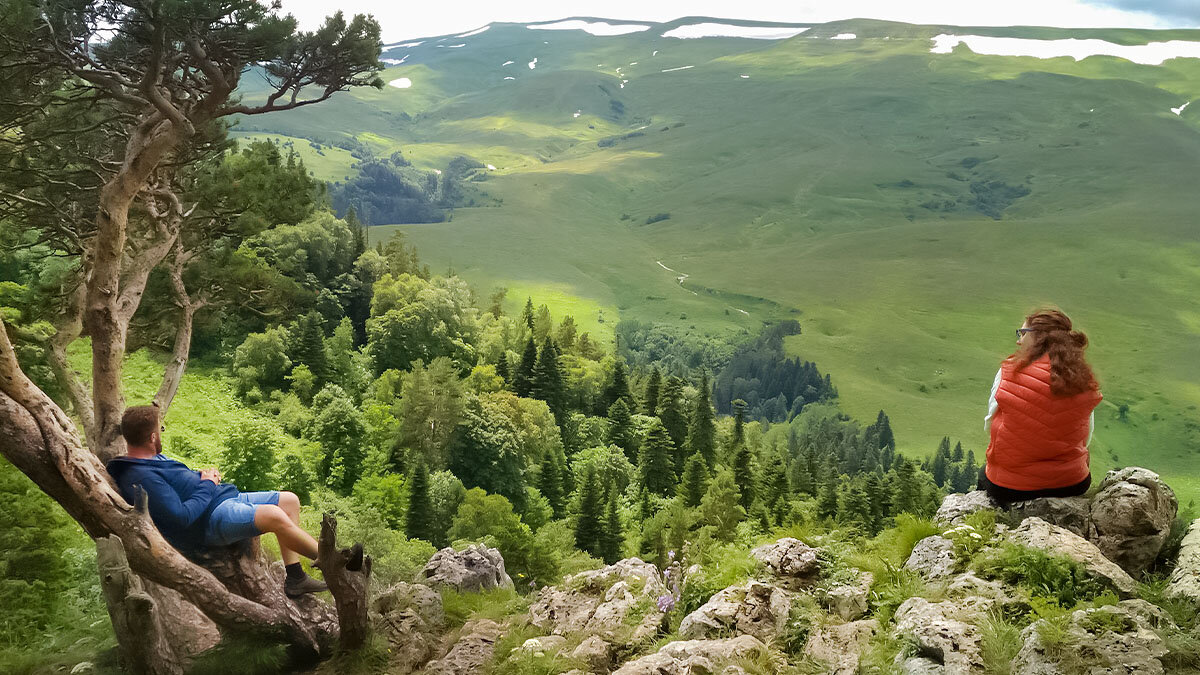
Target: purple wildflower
[(665, 603)]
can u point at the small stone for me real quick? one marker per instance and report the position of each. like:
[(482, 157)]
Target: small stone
[(945, 629), (751, 608), (596, 653), (932, 558), (850, 601), (840, 645), (793, 561), (472, 651)]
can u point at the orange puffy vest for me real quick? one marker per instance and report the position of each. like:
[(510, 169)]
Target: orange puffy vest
[(1039, 440)]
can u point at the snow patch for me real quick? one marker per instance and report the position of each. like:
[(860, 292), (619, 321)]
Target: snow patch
[(633, 63), (577, 113), (401, 45), (533, 63), (453, 46), (592, 27), (491, 167), (510, 78), (507, 63), (671, 70), (844, 36), (396, 62), (401, 83), (477, 31), (1152, 54), (701, 30), (438, 171), (1180, 109), (744, 77), (654, 53)]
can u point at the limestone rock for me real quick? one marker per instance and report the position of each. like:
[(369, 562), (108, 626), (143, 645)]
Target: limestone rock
[(541, 646), (83, 668), (1185, 580), (919, 665), (1037, 533), (971, 587), (694, 656), (849, 601), (957, 506), (794, 562), (471, 652), (606, 602), (841, 645), (596, 653), (1131, 517), (932, 558), (476, 568), (751, 608), (410, 617), (943, 632), (1072, 513), (1111, 639)]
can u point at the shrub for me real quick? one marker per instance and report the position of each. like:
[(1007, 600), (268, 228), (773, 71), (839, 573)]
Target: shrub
[(1060, 579), (657, 218), (249, 456), (999, 642), (494, 603)]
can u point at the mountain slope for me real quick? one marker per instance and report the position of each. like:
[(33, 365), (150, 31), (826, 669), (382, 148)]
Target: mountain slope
[(907, 206)]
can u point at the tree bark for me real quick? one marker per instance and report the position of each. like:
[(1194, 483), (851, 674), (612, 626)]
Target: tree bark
[(173, 373), (141, 640), (347, 572)]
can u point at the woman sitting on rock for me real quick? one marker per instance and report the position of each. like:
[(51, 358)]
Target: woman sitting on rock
[(1040, 414)]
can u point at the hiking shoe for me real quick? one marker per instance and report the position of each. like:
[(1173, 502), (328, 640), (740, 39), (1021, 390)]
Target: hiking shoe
[(296, 588)]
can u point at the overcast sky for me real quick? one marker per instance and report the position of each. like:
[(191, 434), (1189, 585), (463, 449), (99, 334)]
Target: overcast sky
[(423, 18)]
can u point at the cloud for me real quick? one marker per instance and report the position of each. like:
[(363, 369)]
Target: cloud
[(1187, 11)]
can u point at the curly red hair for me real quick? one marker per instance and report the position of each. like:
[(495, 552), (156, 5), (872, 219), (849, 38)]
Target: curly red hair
[(1052, 334)]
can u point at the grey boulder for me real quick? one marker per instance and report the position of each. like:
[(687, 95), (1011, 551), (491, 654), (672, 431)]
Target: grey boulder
[(475, 568), (751, 608), (1131, 517)]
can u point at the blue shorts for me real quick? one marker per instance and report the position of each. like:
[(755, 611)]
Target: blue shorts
[(233, 519)]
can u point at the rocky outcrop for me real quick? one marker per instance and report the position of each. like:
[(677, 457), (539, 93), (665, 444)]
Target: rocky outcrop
[(1131, 517), (840, 645), (1185, 580), (475, 568), (751, 608), (410, 617), (849, 601), (1037, 533), (694, 657), (932, 558), (793, 562), (944, 632), (957, 506), (1071, 513), (471, 651), (1112, 639), (616, 602)]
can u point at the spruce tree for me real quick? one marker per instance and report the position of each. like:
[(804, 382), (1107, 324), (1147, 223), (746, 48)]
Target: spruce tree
[(957, 455), (523, 379), (589, 526), (527, 314), (877, 496), (656, 464), (827, 501), (653, 391), (905, 490), (670, 411), (309, 347), (695, 481), (702, 430), (739, 427), (419, 524), (802, 478), (970, 472), (940, 464), (620, 430), (854, 505), (886, 438), (547, 381), (617, 387), (502, 369), (721, 506), (775, 487), (550, 483), (613, 535), (743, 473)]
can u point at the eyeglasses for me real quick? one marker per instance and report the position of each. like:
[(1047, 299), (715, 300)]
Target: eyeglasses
[(1022, 331)]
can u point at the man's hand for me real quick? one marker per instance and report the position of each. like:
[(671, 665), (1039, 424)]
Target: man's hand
[(210, 474)]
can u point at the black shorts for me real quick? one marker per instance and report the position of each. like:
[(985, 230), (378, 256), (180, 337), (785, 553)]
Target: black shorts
[(1008, 495)]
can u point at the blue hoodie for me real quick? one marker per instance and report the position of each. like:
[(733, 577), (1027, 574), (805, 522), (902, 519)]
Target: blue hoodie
[(180, 501)]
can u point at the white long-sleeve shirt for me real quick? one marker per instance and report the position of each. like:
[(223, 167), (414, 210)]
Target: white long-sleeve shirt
[(992, 406)]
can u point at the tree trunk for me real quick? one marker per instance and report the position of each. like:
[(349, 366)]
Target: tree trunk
[(141, 641), (347, 572)]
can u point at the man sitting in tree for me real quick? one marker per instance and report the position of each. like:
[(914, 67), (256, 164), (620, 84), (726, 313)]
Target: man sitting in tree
[(195, 511)]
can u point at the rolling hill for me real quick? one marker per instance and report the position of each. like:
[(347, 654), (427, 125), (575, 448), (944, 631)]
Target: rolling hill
[(904, 195)]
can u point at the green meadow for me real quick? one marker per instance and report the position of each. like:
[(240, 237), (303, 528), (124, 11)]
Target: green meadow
[(906, 207)]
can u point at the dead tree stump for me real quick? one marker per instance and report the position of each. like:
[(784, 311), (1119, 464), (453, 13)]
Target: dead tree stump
[(141, 639), (347, 572)]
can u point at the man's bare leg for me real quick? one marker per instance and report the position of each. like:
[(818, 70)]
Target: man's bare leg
[(284, 521)]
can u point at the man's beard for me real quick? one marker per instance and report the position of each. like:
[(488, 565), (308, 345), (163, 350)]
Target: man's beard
[(158, 444)]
